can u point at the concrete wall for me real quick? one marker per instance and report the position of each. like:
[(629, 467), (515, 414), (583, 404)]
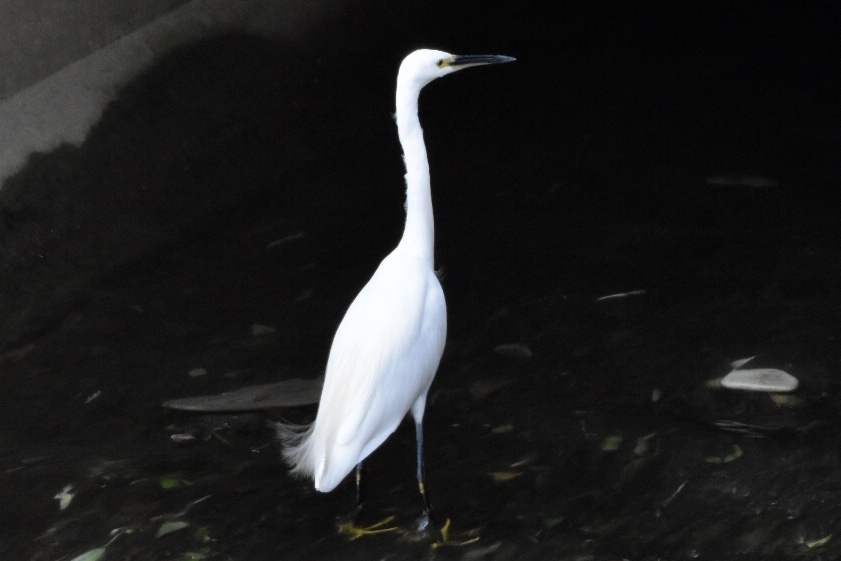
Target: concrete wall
[(39, 37), (62, 60)]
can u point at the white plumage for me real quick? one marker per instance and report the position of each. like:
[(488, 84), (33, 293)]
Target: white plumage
[(387, 348)]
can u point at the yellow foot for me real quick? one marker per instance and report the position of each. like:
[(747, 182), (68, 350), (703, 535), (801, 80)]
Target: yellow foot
[(446, 541), (354, 532)]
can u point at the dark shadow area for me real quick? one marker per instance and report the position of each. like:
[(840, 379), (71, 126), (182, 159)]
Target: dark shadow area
[(211, 231)]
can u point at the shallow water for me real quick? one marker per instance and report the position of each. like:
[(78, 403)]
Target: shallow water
[(233, 187)]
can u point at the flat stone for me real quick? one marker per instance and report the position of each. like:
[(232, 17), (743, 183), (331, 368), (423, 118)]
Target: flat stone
[(760, 380)]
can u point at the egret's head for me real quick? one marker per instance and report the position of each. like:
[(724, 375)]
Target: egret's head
[(425, 65)]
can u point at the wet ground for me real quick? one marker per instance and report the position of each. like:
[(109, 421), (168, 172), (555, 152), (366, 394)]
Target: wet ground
[(213, 228)]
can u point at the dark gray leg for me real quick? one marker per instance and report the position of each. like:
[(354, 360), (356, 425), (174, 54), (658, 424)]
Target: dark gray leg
[(360, 490), (423, 523)]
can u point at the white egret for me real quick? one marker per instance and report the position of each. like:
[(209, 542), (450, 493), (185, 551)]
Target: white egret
[(387, 348)]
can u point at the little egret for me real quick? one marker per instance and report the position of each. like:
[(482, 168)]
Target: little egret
[(387, 348)]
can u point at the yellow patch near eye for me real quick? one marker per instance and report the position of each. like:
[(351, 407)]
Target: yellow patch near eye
[(444, 62)]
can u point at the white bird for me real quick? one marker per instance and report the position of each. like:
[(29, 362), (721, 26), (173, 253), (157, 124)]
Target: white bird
[(387, 348)]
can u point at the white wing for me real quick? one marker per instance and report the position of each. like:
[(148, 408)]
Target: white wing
[(384, 357)]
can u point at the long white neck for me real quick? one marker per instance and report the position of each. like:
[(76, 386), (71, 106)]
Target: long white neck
[(419, 233)]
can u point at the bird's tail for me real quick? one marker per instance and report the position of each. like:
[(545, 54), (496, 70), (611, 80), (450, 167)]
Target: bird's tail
[(297, 447)]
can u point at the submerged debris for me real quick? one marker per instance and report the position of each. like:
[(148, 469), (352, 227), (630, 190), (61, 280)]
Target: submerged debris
[(289, 393), (173, 526), (65, 496), (97, 553), (173, 483), (503, 476), (516, 350), (502, 429), (282, 241), (15, 355), (484, 388), (735, 453), (741, 362), (92, 555), (742, 180), (620, 295), (612, 443), (258, 330), (818, 543)]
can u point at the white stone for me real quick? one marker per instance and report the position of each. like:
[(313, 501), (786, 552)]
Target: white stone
[(760, 380)]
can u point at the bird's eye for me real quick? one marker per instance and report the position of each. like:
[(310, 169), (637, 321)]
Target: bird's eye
[(440, 63)]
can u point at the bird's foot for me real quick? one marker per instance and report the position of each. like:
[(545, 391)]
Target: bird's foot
[(447, 541), (425, 523), (354, 532)]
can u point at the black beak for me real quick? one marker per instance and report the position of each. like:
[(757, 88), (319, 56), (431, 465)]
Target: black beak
[(463, 61)]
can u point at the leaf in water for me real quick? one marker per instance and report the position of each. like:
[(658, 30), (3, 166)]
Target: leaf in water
[(741, 362), (215, 434), (173, 483), (484, 388), (524, 462), (552, 522), (502, 429), (475, 553), (285, 239), (193, 556), (17, 354), (818, 543), (734, 455), (620, 295), (169, 527), (257, 330), (643, 446), (203, 534), (784, 400), (196, 372), (503, 476), (611, 443), (632, 469), (65, 496), (516, 350), (92, 555), (742, 180)]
